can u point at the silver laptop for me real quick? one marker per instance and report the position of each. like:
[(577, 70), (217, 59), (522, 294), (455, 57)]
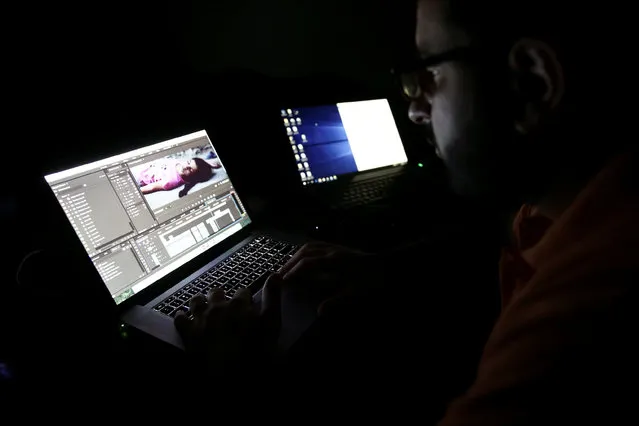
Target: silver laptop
[(164, 223), (350, 150)]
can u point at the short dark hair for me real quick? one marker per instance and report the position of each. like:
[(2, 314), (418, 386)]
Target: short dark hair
[(560, 23), (578, 31)]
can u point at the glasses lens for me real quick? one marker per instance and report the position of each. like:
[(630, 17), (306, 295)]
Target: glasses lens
[(410, 85)]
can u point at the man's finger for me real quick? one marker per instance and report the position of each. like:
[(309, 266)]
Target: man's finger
[(217, 296), (242, 300), (197, 305), (244, 295), (308, 250), (304, 267)]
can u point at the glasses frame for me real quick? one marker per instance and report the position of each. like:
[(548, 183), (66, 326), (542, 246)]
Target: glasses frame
[(417, 65)]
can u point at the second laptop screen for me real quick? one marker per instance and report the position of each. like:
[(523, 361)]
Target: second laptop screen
[(329, 141)]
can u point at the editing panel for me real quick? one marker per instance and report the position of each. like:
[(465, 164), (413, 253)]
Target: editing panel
[(173, 239), (94, 210), (118, 267), (131, 199)]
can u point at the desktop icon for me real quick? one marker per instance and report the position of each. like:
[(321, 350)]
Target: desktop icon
[(290, 112), (299, 121), (286, 122), (283, 113), (306, 166), (303, 138), (289, 131), (294, 148), (304, 157), (297, 157), (300, 166), (300, 147), (295, 129)]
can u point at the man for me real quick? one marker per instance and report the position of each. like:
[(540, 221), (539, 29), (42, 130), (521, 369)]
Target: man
[(509, 98)]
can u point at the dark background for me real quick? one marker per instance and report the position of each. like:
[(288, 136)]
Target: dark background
[(84, 82)]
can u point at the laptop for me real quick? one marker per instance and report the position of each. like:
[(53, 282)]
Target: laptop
[(348, 154), (164, 223)]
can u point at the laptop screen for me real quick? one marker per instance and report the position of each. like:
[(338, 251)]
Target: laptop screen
[(329, 141), (143, 214)]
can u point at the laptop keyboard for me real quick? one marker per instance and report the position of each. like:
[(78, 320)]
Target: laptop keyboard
[(248, 267), (366, 192)]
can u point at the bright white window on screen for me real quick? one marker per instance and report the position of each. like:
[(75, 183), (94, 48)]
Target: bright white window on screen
[(372, 133)]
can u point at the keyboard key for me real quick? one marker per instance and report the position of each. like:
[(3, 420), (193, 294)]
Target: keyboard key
[(175, 303)]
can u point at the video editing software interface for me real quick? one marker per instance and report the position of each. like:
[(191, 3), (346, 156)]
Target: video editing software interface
[(329, 141), (143, 214)]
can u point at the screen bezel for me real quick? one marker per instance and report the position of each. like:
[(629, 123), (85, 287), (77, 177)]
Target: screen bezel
[(345, 177), (172, 278)]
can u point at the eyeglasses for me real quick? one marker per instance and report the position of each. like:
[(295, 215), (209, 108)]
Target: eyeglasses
[(415, 77)]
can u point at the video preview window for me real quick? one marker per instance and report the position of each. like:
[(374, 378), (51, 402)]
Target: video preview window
[(167, 179)]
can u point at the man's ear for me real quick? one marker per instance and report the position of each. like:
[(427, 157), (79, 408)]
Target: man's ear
[(538, 82)]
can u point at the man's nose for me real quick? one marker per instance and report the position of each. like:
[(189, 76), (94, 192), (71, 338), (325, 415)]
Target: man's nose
[(420, 112)]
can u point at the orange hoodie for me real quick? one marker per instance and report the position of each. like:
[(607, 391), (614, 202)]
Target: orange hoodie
[(564, 344)]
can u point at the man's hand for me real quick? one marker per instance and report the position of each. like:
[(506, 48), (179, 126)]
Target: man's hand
[(329, 273), (222, 333)]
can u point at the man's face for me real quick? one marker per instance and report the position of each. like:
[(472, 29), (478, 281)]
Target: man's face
[(470, 112)]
